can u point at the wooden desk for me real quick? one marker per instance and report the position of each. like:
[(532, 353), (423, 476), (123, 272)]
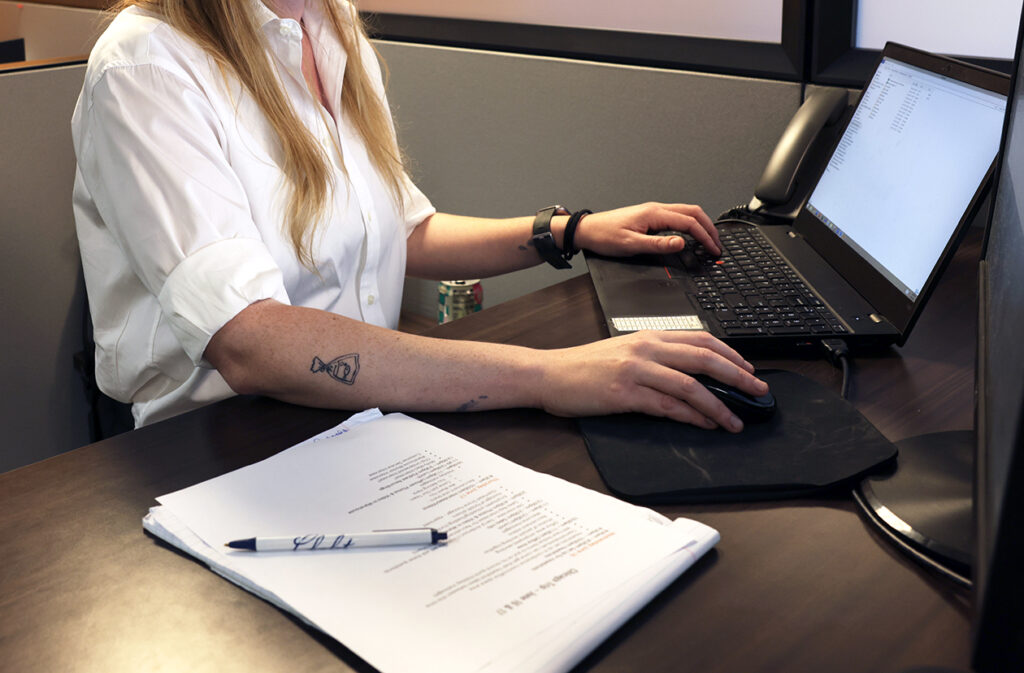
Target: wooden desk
[(793, 586)]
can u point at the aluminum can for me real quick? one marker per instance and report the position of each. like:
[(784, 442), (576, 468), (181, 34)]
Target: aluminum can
[(458, 298)]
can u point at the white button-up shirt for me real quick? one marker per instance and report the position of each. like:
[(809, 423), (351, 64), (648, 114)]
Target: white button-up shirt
[(179, 205)]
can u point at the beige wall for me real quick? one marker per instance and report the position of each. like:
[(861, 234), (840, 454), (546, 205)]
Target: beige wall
[(980, 28), (755, 20), (50, 31)]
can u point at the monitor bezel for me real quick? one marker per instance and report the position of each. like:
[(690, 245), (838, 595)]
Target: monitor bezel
[(887, 299)]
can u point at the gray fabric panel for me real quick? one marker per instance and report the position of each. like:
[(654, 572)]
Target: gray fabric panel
[(494, 134), (44, 410)]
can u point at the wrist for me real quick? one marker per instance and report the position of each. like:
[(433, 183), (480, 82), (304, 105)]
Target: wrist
[(522, 373), (569, 245), (582, 238), (544, 363), (554, 234), (558, 223)]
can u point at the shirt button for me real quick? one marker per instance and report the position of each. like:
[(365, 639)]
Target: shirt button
[(290, 29), (370, 299)]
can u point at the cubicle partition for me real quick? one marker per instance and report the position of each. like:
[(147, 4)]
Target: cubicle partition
[(499, 134), (44, 410)]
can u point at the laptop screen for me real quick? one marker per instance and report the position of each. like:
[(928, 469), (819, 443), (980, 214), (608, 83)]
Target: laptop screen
[(906, 169)]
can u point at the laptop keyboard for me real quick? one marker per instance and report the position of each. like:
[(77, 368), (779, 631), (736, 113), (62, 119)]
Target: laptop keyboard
[(751, 290)]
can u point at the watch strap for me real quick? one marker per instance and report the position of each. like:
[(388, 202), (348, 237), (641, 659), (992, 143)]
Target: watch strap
[(544, 241)]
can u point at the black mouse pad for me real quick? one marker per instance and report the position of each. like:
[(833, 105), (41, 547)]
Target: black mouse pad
[(814, 440)]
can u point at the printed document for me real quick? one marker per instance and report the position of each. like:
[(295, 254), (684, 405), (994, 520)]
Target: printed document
[(537, 571)]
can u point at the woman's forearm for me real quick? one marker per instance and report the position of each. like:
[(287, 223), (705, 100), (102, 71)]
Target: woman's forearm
[(452, 246), (314, 358)]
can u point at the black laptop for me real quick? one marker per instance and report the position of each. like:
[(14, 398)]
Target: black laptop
[(867, 247)]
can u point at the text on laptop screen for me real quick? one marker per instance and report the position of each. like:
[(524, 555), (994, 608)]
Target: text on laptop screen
[(906, 169)]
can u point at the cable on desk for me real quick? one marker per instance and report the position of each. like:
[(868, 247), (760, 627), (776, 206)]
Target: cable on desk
[(838, 354), (923, 559)]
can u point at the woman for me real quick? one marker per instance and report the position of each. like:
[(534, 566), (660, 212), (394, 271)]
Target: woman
[(245, 224)]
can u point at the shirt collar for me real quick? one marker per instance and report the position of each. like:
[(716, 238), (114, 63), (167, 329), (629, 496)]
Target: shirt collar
[(313, 17), (331, 56), (264, 14), (315, 21)]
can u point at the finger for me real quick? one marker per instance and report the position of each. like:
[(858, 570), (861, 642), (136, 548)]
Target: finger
[(637, 243), (647, 241), (736, 377), (693, 226), (700, 218), (657, 403), (715, 360), (702, 339), (688, 392)]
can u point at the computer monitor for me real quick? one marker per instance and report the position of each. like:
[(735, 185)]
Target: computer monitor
[(998, 563), (956, 503)]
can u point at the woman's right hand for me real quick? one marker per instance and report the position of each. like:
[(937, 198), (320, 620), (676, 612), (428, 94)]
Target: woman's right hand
[(647, 372)]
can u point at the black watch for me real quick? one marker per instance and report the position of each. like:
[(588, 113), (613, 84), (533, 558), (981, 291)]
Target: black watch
[(544, 241)]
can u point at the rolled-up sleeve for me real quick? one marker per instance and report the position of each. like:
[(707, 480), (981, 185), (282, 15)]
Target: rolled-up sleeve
[(212, 285), (417, 206)]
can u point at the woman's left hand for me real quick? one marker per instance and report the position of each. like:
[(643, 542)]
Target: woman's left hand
[(631, 231)]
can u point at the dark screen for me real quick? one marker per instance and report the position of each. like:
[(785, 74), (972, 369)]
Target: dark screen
[(999, 497)]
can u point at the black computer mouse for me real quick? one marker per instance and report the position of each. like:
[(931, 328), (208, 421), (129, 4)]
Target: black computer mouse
[(750, 409)]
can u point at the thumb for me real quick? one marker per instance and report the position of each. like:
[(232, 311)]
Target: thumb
[(654, 244)]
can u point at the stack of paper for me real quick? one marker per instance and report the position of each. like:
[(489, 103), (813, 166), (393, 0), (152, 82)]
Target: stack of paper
[(536, 573)]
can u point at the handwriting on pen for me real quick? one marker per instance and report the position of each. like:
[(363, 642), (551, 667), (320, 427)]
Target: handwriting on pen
[(316, 541)]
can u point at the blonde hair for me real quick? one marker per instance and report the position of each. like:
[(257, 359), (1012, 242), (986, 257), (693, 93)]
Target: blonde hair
[(227, 30)]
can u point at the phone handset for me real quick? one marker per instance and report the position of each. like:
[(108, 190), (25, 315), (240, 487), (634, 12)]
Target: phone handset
[(790, 168)]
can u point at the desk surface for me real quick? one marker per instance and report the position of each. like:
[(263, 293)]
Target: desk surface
[(800, 585)]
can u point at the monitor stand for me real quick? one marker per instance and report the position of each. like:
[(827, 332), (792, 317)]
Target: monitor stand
[(926, 505)]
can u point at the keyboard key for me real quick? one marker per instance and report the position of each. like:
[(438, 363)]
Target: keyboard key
[(734, 300), (750, 284)]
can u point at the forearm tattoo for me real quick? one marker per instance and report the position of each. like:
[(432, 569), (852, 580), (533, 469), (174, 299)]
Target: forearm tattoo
[(343, 368), (466, 406)]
